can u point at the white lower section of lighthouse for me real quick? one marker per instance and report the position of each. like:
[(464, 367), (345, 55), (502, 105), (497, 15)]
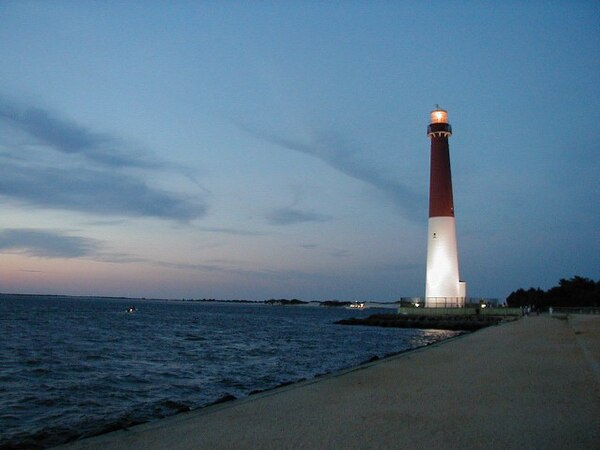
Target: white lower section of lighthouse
[(443, 286)]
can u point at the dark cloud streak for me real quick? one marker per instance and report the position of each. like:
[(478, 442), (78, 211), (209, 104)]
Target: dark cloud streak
[(341, 155), (47, 243), (54, 244), (83, 170), (92, 191), (335, 252), (292, 216), (57, 244), (70, 138), (231, 231)]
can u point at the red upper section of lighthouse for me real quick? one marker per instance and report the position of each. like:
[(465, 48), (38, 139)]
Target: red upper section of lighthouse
[(441, 203)]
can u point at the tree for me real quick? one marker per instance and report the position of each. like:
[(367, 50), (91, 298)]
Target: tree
[(575, 292), (522, 297)]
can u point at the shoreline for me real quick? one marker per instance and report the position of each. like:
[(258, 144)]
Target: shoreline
[(229, 399), (525, 384)]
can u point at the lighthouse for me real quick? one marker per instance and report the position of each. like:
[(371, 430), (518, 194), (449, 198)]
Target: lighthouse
[(443, 286)]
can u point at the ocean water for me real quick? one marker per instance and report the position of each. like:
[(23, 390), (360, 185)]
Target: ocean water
[(77, 367)]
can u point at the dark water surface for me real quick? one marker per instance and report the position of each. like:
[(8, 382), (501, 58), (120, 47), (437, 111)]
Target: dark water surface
[(74, 367)]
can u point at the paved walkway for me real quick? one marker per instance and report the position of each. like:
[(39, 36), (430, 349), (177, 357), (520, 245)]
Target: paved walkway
[(530, 384)]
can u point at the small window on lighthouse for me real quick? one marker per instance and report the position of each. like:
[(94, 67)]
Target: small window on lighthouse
[(434, 235)]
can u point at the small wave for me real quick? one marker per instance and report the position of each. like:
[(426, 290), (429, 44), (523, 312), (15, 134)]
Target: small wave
[(194, 337), (95, 357), (40, 371), (225, 398), (49, 402), (167, 407), (233, 383), (45, 438), (33, 362)]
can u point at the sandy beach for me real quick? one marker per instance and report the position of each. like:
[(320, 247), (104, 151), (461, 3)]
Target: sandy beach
[(533, 383)]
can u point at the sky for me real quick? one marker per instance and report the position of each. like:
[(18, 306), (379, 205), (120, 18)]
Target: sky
[(267, 149)]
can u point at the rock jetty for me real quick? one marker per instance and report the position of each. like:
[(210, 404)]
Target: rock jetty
[(446, 322)]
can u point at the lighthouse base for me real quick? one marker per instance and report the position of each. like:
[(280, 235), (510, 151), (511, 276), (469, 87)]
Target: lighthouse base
[(444, 302), (443, 286)]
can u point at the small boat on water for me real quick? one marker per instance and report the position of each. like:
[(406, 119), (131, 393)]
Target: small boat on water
[(131, 309), (356, 305)]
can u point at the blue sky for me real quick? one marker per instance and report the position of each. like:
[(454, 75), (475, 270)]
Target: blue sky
[(278, 149)]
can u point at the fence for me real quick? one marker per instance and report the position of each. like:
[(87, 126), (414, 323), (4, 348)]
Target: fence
[(488, 311), (450, 306), (448, 302)]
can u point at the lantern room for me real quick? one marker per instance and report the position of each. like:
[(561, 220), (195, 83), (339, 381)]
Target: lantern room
[(439, 116)]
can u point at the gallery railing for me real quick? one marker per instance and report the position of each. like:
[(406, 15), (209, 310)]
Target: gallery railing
[(448, 302)]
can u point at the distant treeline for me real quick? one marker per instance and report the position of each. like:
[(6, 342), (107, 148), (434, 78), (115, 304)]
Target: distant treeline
[(283, 301), (275, 301), (575, 292), (295, 301)]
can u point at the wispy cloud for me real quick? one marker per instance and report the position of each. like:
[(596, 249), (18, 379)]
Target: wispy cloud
[(94, 191), (231, 231), (47, 243), (51, 244), (343, 156), (69, 137), (340, 253), (254, 273), (56, 244), (59, 244), (82, 170), (292, 216), (335, 252)]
